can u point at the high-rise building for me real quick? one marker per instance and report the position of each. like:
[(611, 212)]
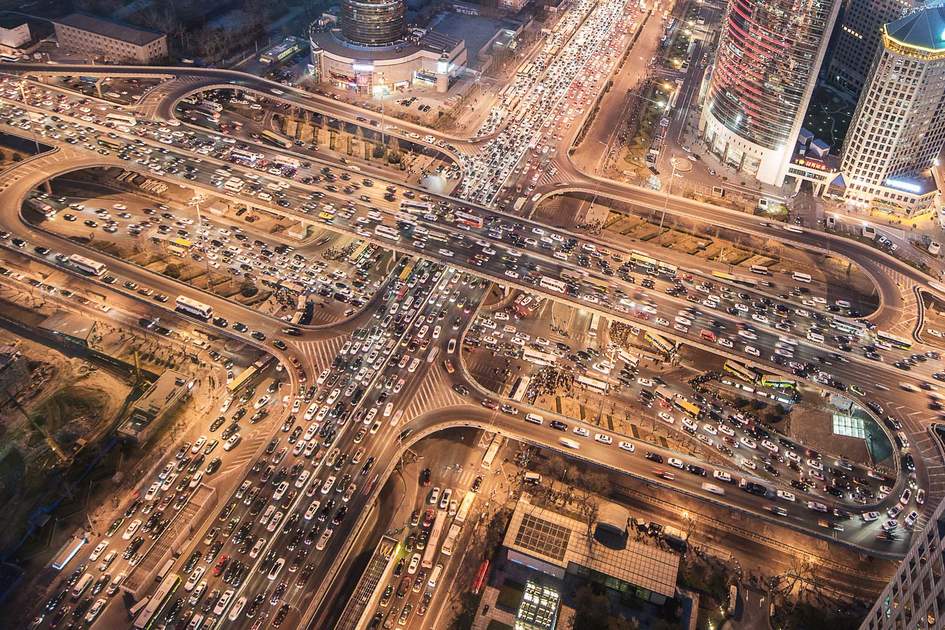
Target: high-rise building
[(898, 128), (767, 61), (915, 596), (858, 38), (373, 22)]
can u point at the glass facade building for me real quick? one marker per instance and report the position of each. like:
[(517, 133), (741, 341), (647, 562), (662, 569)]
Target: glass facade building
[(898, 128), (766, 64), (858, 39), (373, 22)]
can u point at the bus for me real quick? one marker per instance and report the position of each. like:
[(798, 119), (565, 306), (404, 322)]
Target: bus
[(651, 264), (660, 343), (521, 388), (415, 207), (592, 383), (849, 326), (472, 220), (741, 371), (182, 242), (525, 70), (552, 284), (286, 161), (387, 232), (894, 341), (760, 270), (450, 542), (778, 382), (122, 119), (355, 256), (152, 611), (193, 308), (247, 158), (84, 582), (592, 328), (491, 452), (406, 271), (275, 139), (801, 277), (433, 541), (87, 266), (686, 406), (464, 506), (110, 144), (538, 357), (721, 275), (481, 574)]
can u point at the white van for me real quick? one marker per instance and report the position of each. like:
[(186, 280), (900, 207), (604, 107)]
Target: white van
[(534, 418)]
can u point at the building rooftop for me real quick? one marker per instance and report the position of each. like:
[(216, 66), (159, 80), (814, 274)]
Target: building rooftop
[(922, 29), (560, 540), (109, 28)]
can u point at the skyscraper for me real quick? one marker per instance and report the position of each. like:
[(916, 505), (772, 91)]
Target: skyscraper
[(915, 596), (858, 38), (898, 129), (373, 22), (767, 61)]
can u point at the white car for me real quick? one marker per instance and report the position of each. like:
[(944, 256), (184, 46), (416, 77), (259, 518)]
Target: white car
[(869, 517), (581, 431), (98, 551), (786, 496), (667, 418), (131, 529), (626, 446), (675, 463), (603, 438)]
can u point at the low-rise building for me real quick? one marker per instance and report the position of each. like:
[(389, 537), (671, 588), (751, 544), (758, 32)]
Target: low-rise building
[(169, 389), (556, 544), (14, 32), (109, 40)]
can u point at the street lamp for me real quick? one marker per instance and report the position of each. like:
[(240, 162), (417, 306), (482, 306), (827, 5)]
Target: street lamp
[(669, 187)]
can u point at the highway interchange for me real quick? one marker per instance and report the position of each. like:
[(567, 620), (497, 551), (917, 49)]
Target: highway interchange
[(506, 249)]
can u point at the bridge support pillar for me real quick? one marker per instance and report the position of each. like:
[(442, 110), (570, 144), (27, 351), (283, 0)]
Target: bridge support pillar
[(47, 187)]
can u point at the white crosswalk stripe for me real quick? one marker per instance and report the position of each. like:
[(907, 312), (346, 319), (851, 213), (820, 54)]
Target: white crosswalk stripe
[(434, 392), (319, 353)]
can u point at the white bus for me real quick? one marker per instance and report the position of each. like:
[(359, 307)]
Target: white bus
[(801, 277), (537, 357), (592, 383), (84, 582), (464, 506), (87, 266), (387, 232), (491, 452), (122, 119), (552, 285), (450, 542), (569, 443), (415, 207), (592, 329), (521, 388), (893, 340), (194, 308), (758, 269)]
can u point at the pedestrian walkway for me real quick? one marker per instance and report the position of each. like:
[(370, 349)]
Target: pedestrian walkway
[(434, 392), (318, 354)]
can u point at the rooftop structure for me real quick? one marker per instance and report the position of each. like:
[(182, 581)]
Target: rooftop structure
[(557, 544)]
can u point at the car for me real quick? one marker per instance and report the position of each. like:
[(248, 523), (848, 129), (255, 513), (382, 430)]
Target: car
[(626, 446), (603, 438), (675, 462), (869, 517)]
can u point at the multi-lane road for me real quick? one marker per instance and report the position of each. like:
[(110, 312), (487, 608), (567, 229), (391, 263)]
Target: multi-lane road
[(455, 236)]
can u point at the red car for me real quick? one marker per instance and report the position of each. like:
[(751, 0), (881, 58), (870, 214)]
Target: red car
[(220, 565)]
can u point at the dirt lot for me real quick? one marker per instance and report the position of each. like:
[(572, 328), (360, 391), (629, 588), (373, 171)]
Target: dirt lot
[(66, 403)]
